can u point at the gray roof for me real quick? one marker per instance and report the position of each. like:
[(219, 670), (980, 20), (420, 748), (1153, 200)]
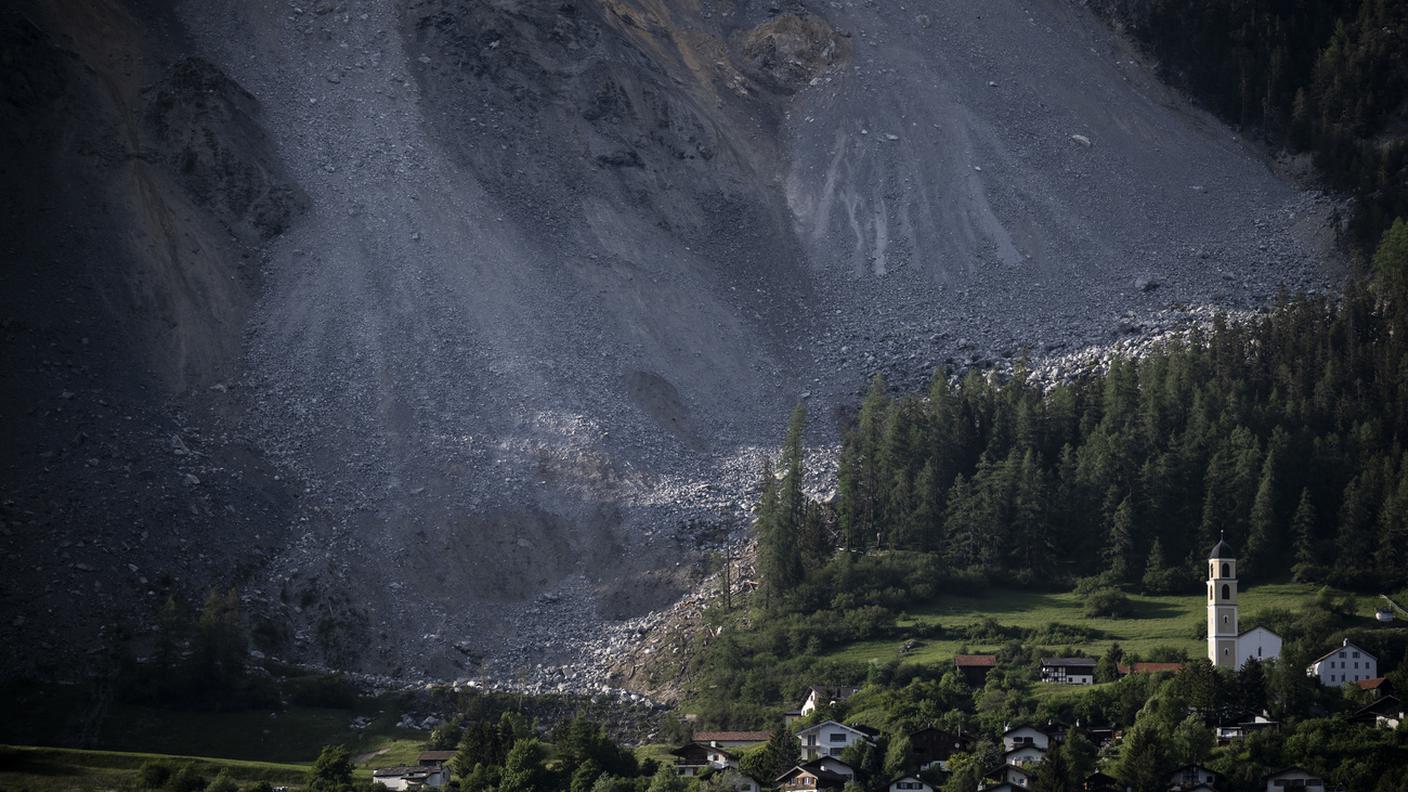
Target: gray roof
[(1222, 550)]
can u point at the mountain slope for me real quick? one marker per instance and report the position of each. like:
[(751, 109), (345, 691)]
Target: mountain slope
[(561, 267)]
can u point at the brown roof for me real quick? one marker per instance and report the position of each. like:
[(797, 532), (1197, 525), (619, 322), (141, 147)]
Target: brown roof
[(1372, 684), (975, 660), (731, 736), (1149, 668)]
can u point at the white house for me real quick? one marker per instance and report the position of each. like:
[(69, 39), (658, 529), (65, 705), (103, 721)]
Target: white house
[(1014, 775), (1348, 663), (1068, 670), (1024, 735), (1023, 756), (410, 777), (910, 784), (821, 696), (1294, 778), (1258, 644), (829, 738), (1192, 776)]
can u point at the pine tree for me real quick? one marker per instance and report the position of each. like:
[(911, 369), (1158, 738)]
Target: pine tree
[(1262, 554), (1119, 550)]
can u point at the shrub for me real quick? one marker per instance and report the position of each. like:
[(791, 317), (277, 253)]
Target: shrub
[(1108, 602), (155, 774)]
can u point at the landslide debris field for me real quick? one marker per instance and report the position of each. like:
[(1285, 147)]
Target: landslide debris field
[(449, 332)]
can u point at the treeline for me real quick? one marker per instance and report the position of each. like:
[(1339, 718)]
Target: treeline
[(1285, 435), (1328, 77)]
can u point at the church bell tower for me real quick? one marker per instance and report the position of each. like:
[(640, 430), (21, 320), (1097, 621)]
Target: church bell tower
[(1222, 607)]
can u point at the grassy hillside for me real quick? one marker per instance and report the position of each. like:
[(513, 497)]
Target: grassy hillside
[(1157, 621), (41, 769)]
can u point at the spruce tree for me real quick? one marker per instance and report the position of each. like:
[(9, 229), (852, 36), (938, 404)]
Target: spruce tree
[(1119, 551)]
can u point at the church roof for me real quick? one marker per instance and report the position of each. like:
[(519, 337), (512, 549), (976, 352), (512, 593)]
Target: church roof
[(1221, 550)]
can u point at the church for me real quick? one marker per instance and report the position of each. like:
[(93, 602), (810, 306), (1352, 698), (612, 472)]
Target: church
[(1226, 647)]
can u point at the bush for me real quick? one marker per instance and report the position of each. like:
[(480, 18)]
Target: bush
[(155, 774), (187, 779), (1108, 603)]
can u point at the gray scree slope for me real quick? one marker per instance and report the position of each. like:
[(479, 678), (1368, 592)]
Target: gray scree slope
[(556, 271)]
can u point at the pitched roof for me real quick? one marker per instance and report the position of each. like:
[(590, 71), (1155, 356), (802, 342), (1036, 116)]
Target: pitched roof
[(1021, 726), (1373, 684), (975, 661), (404, 770), (864, 731), (1149, 668), (1069, 661), (1346, 645), (731, 736)]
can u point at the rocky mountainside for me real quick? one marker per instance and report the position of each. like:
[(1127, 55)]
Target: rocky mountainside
[(451, 330)]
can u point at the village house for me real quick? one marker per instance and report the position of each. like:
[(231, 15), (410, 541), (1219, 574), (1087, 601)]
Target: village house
[(410, 777), (1015, 775), (1242, 724), (910, 783), (435, 758), (1024, 756), (1294, 778), (731, 739), (1378, 686), (1025, 735), (1347, 663), (1068, 670), (1100, 782), (1386, 712), (1149, 668), (694, 758), (830, 738), (1189, 777), (820, 697), (975, 668), (826, 773)]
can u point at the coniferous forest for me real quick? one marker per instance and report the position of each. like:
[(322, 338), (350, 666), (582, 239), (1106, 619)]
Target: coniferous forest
[(1284, 434), (1325, 78)]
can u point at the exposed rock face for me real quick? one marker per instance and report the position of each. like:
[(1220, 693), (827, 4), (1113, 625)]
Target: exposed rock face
[(450, 329)]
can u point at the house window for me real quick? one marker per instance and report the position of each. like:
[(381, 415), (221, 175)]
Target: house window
[(1356, 654), (1341, 654), (838, 738)]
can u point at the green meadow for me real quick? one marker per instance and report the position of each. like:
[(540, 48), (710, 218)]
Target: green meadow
[(1154, 621)]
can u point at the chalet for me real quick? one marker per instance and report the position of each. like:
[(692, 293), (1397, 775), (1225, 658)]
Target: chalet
[(830, 738), (1025, 735), (731, 739), (1189, 777), (910, 784), (1100, 782), (410, 777), (975, 668), (1294, 778), (930, 747), (1347, 663), (691, 759), (823, 696), (1015, 775), (825, 773), (1149, 668), (1242, 724), (1024, 756), (1259, 644), (435, 758), (1002, 787), (1068, 670), (1385, 712)]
